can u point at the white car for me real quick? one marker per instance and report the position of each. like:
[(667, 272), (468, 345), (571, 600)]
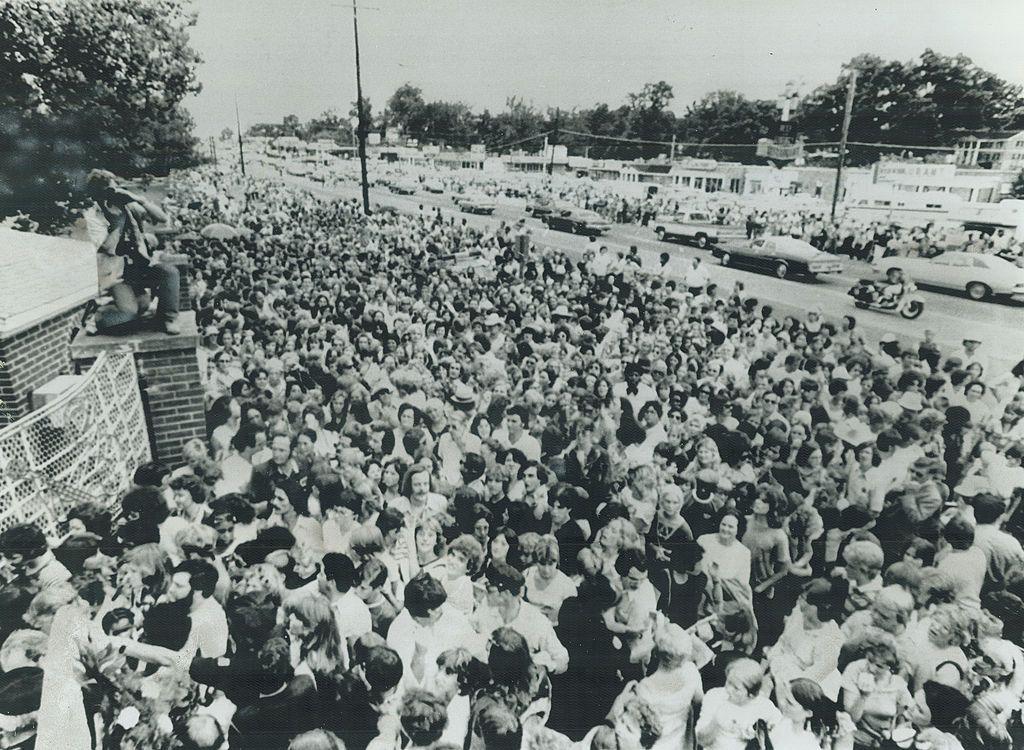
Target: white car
[(697, 227), (981, 276)]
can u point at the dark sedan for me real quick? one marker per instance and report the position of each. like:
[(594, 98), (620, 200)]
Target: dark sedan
[(578, 221), (782, 256)]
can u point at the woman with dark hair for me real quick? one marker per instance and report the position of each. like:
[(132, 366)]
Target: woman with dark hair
[(811, 641), (594, 660), (810, 719), (569, 524), (515, 683), (393, 442), (766, 539)]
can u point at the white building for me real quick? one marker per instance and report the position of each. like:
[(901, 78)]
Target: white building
[(998, 151), (971, 185)]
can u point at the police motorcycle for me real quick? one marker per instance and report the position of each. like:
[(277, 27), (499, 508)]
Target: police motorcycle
[(896, 294)]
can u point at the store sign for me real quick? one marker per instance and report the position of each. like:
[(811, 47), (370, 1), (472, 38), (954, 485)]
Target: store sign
[(886, 171)]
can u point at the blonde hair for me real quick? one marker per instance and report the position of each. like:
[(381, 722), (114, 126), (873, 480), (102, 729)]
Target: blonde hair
[(672, 644), (747, 673), (24, 644), (47, 602)]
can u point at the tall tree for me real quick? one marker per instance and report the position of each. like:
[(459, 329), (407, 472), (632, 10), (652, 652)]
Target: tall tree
[(928, 101), (90, 83), (405, 106), (649, 118), (726, 117)]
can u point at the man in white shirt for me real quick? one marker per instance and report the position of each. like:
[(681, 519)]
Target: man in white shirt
[(195, 580), (696, 277), (513, 434), (506, 609), (428, 627), (338, 582), (633, 389), (889, 471), (236, 467)]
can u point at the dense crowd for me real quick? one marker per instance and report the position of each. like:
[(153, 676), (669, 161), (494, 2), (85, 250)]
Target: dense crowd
[(542, 503), (749, 215)]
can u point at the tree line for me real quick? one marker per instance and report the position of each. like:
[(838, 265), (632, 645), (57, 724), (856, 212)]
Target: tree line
[(929, 101)]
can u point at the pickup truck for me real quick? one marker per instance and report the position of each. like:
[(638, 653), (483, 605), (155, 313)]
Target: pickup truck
[(696, 227)]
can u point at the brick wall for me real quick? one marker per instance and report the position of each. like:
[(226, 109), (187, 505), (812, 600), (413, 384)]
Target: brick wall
[(168, 368), (32, 358)]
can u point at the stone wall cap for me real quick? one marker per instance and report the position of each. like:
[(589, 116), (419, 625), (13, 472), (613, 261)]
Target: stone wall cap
[(89, 347)]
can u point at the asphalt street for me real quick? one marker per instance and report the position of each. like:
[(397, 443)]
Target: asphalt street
[(998, 324)]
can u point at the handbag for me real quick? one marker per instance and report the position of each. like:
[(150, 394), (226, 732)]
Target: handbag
[(761, 739)]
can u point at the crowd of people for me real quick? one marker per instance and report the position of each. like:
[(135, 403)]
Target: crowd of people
[(544, 503), (750, 215)]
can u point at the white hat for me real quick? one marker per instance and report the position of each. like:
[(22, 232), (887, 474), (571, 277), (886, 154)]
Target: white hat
[(492, 320), (854, 432), (562, 311), (911, 401), (973, 485), (463, 396)]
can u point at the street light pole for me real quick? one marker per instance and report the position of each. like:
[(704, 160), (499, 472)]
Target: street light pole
[(847, 113), (361, 128), (238, 127)]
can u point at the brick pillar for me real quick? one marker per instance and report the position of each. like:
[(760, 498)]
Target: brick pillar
[(180, 261), (168, 369)]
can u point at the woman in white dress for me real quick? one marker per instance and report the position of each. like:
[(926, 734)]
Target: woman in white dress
[(810, 643), (730, 715), (674, 689)]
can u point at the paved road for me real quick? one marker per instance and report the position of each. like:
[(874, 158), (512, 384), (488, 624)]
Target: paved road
[(1000, 325)]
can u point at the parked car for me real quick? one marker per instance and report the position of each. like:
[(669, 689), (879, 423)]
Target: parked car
[(404, 187), (577, 221), (981, 276), (696, 227), (476, 204), (433, 186), (782, 256)]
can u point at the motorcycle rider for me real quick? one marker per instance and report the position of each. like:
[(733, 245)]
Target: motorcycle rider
[(892, 290)]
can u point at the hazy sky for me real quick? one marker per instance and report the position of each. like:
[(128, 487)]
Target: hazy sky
[(296, 56)]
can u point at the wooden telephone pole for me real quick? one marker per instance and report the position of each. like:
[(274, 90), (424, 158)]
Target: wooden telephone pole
[(238, 127), (847, 113), (361, 114)]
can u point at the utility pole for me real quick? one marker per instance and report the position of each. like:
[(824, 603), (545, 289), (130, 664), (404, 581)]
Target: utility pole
[(238, 127), (672, 158), (213, 150), (361, 128), (554, 141), (842, 141)]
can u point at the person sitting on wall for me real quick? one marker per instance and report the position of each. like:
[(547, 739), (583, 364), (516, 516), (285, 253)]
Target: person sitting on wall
[(127, 271)]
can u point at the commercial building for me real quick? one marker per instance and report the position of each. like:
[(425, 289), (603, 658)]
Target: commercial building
[(1000, 151), (971, 185)]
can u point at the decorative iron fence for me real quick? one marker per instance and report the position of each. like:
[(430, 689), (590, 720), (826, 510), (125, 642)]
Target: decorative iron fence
[(83, 446)]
